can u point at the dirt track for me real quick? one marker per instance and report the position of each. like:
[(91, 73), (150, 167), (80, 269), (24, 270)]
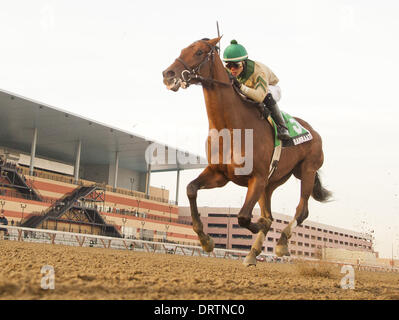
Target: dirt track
[(93, 273)]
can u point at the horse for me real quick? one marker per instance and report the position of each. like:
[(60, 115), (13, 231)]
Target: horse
[(200, 64)]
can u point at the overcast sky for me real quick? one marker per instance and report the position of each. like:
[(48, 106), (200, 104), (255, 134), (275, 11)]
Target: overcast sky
[(337, 62)]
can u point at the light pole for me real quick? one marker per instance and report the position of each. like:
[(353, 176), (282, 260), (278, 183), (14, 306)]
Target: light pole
[(131, 184), (23, 206), (142, 229), (228, 230), (123, 222), (166, 232), (163, 190), (138, 207), (170, 213)]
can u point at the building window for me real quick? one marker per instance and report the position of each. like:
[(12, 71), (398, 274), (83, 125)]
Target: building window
[(300, 234), (307, 254), (270, 239), (325, 231), (318, 229), (278, 221), (293, 242), (306, 244), (242, 236), (319, 238), (325, 239), (269, 249), (220, 245), (306, 227), (313, 228), (313, 237), (313, 245), (217, 225), (330, 240), (306, 236), (300, 244), (285, 222), (236, 226), (217, 235), (299, 253), (293, 252), (240, 246)]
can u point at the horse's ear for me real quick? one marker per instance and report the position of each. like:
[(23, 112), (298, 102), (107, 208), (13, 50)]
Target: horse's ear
[(214, 41)]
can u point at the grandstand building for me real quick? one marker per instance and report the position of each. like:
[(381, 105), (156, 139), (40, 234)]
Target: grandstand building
[(64, 172), (307, 240)]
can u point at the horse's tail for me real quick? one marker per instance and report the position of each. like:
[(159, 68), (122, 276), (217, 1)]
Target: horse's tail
[(319, 193)]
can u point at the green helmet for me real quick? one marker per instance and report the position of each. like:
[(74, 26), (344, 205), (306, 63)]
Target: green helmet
[(235, 52)]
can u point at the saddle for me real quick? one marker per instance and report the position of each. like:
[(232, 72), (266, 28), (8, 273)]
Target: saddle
[(298, 133)]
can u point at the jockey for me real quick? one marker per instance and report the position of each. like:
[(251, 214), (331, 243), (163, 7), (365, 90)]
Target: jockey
[(256, 81)]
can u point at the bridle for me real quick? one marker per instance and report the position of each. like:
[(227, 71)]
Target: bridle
[(189, 74)]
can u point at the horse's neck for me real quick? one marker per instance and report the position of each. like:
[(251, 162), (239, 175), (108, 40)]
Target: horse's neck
[(222, 103)]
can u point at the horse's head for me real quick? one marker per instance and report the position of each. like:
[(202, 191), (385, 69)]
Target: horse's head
[(192, 66)]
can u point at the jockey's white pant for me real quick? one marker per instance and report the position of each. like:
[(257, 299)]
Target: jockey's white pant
[(276, 92)]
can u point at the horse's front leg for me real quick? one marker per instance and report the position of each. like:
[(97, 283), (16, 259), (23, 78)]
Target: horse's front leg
[(208, 179), (256, 188)]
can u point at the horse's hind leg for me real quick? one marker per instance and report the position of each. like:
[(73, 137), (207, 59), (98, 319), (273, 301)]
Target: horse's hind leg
[(208, 179), (265, 221), (307, 175)]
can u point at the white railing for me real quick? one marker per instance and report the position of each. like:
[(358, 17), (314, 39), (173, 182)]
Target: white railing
[(91, 240)]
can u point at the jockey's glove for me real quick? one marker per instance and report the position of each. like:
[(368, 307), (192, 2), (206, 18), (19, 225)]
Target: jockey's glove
[(236, 82)]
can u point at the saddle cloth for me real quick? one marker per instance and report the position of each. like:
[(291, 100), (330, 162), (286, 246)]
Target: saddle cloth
[(297, 132)]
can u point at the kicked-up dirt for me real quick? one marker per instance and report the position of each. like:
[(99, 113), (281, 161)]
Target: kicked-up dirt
[(96, 273)]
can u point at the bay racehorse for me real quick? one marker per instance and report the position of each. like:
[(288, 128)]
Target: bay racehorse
[(199, 63)]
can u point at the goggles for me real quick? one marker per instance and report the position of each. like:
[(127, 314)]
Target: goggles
[(235, 65)]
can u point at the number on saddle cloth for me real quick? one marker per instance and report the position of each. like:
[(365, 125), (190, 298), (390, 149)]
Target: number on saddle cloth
[(297, 132)]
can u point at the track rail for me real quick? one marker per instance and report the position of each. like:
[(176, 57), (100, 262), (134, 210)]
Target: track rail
[(90, 240)]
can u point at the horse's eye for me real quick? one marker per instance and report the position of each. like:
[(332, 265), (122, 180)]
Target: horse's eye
[(199, 52)]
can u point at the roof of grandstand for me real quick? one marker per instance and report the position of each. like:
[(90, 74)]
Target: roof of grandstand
[(59, 131)]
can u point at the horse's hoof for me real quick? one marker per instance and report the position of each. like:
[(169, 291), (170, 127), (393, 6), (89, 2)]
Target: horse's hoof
[(249, 261), (207, 244), (282, 251)]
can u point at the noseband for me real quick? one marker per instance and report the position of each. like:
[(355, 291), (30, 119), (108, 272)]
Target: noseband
[(189, 74)]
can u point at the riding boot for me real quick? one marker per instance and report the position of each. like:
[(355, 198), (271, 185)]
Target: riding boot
[(282, 131)]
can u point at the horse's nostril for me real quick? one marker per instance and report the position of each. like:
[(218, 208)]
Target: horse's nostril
[(168, 74)]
